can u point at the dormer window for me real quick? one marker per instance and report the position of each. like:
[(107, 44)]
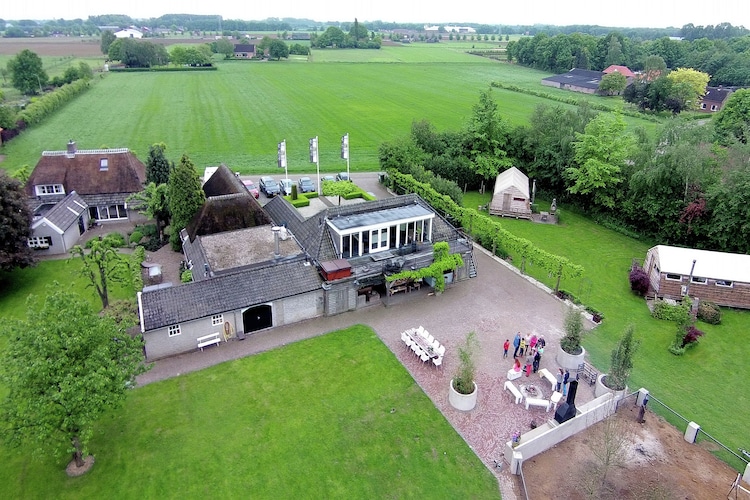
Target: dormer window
[(49, 189), (104, 164)]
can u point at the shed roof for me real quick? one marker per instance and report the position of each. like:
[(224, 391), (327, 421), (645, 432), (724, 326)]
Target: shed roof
[(64, 214), (512, 178), (623, 70), (708, 264), (578, 77)]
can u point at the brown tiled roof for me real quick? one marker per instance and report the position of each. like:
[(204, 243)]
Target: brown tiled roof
[(81, 172)]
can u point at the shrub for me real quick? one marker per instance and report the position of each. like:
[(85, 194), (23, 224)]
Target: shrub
[(116, 240), (678, 312), (639, 282), (622, 360), (685, 338), (709, 312), (148, 230), (186, 276), (463, 380), (691, 336), (135, 237)]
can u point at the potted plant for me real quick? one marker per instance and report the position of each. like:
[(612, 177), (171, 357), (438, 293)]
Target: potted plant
[(571, 354), (621, 364), (463, 388)]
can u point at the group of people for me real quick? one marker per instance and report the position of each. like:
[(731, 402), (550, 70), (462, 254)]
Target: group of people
[(530, 345)]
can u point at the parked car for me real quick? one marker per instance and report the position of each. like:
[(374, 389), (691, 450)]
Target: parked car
[(329, 178), (285, 185), (305, 185), (269, 186), (343, 176), (250, 185)]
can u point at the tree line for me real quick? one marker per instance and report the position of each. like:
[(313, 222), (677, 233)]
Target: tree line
[(688, 185), (726, 60)]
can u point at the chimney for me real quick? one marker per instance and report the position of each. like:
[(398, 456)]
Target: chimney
[(276, 249), (71, 148)]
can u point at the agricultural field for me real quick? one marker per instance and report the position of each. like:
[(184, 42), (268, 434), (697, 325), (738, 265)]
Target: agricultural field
[(238, 114)]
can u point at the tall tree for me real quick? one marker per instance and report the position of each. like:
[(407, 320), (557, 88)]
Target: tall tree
[(15, 225), (63, 367), (107, 38), (27, 72), (600, 156), (487, 135), (689, 85), (733, 121), (278, 49), (186, 198), (153, 202), (613, 83), (654, 67), (102, 265), (158, 167)]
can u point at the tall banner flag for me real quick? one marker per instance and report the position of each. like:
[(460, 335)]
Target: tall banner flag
[(314, 150), (282, 154), (345, 147)]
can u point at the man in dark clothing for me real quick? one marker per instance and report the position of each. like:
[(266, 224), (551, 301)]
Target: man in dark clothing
[(516, 343)]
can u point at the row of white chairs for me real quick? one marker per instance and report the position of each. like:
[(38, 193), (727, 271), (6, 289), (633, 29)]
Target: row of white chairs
[(419, 352)]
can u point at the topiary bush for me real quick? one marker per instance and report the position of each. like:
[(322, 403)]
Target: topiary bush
[(186, 276), (639, 282), (672, 312), (571, 342), (135, 237), (708, 312)]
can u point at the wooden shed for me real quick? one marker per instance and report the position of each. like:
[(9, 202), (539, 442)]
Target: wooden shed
[(511, 195), (720, 277)]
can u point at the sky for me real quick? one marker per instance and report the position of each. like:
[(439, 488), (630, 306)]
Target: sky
[(632, 13)]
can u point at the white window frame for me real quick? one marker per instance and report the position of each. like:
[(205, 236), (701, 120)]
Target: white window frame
[(674, 279), (698, 280), (725, 283), (40, 242), (174, 330), (49, 189), (104, 164), (217, 319)]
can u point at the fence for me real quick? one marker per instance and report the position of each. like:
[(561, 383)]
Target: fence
[(702, 434)]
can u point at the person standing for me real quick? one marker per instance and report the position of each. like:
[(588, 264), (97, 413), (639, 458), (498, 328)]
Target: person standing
[(540, 343), (533, 341), (566, 377), (529, 363), (537, 359), (560, 376), (522, 347), (506, 346), (516, 343)]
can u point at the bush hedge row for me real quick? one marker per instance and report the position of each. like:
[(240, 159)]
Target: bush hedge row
[(41, 107), (163, 68)]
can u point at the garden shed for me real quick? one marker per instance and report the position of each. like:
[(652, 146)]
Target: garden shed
[(511, 195), (720, 277)]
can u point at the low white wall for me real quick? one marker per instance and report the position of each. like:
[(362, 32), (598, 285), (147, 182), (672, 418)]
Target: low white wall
[(548, 435)]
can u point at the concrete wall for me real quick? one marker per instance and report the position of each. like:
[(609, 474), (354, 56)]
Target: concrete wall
[(548, 435)]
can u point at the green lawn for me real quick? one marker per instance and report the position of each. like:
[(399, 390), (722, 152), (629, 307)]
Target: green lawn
[(706, 385), (332, 417), (238, 114)]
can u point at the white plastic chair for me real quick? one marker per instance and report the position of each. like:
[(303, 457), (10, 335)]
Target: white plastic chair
[(441, 351), (417, 350), (437, 361), (436, 344), (407, 340), (420, 330), (430, 338), (424, 357)]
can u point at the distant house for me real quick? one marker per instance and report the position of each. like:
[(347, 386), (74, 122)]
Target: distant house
[(623, 70), (714, 99), (576, 80), (510, 197), (244, 51), (102, 178), (56, 228), (720, 277), (129, 33)]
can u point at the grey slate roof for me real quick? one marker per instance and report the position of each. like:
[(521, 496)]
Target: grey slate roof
[(164, 307), (65, 213), (579, 78)]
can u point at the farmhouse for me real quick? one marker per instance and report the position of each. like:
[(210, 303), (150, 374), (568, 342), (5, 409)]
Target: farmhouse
[(128, 33), (102, 178), (264, 275), (244, 51), (720, 277), (577, 80), (623, 70), (511, 195), (714, 98)]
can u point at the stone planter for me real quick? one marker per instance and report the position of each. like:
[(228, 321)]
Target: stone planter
[(463, 402), (601, 389), (570, 361)]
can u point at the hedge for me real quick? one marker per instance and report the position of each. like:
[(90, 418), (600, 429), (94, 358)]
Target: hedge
[(41, 107), (163, 68)]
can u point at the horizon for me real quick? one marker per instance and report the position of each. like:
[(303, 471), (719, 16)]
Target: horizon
[(638, 14)]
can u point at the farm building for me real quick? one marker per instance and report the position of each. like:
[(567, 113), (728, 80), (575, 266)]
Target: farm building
[(577, 80), (623, 70), (128, 33), (720, 277), (56, 227), (244, 51), (511, 195), (714, 98)]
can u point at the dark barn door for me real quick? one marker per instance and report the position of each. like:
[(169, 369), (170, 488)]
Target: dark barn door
[(257, 318)]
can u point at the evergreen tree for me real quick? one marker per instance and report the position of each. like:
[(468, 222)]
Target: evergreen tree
[(186, 198), (157, 165)]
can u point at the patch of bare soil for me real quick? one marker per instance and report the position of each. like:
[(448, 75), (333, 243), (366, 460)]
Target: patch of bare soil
[(72, 470), (658, 464)]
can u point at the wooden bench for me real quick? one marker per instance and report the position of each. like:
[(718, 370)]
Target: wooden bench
[(537, 402), (544, 373), (509, 386), (207, 340)]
